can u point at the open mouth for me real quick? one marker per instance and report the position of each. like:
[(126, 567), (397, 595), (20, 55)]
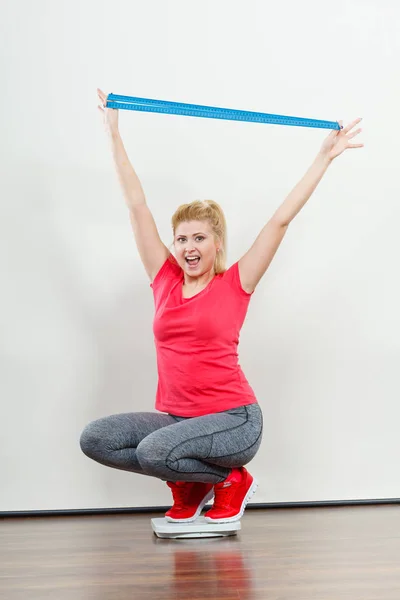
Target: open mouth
[(193, 262)]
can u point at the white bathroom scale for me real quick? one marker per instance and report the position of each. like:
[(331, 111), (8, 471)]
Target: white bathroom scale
[(198, 528)]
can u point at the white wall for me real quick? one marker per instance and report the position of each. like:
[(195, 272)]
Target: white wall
[(321, 343)]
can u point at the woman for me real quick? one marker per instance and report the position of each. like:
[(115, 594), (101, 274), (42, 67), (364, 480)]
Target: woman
[(209, 423)]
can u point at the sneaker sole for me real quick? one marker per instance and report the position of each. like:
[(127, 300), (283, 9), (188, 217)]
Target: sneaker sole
[(202, 504), (250, 493)]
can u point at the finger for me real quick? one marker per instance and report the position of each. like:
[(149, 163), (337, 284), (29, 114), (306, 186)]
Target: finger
[(351, 135), (355, 146), (101, 109), (333, 134), (351, 125), (340, 123), (101, 95)]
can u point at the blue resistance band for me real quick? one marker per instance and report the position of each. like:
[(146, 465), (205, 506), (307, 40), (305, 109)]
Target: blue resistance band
[(212, 112)]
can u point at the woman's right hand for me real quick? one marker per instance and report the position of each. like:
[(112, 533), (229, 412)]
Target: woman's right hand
[(110, 115)]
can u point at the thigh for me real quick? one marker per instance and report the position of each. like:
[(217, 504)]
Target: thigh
[(236, 446), (126, 430), (220, 438)]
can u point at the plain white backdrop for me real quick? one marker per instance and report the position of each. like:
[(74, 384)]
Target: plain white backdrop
[(321, 343)]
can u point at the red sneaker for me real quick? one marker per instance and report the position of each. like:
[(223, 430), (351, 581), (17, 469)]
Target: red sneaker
[(189, 500), (231, 497)]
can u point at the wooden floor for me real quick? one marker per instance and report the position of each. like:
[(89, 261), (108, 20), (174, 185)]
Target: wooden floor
[(350, 553)]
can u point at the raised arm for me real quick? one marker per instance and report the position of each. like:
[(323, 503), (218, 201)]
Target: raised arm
[(256, 261), (152, 251)]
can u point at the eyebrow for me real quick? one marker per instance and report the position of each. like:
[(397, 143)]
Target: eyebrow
[(198, 233)]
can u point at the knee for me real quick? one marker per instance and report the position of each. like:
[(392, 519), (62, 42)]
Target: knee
[(92, 439), (151, 458)]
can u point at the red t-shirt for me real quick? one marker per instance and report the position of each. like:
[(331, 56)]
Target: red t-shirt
[(197, 343)]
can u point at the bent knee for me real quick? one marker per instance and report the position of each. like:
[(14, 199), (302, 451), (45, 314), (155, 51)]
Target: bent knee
[(151, 458), (144, 455), (92, 439)]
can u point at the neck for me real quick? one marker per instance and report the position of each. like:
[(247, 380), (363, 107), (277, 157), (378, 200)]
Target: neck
[(202, 280)]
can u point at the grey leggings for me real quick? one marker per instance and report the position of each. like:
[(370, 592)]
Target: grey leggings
[(176, 448)]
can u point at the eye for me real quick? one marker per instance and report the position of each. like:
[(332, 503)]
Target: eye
[(199, 237)]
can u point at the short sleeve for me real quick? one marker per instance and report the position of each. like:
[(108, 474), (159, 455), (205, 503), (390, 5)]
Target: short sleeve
[(232, 277), (169, 273)]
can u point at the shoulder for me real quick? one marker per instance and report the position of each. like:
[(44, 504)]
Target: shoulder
[(169, 270), (232, 277)]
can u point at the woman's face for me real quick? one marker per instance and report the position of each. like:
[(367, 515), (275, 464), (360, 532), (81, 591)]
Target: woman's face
[(195, 239)]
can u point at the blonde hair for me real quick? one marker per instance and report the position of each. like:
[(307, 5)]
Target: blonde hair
[(210, 211)]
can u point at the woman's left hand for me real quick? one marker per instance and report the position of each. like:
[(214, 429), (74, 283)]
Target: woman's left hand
[(338, 141)]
